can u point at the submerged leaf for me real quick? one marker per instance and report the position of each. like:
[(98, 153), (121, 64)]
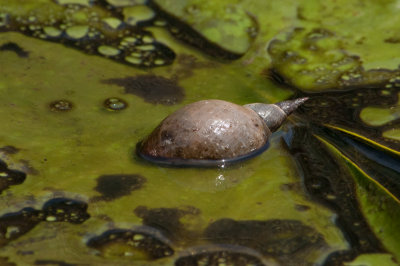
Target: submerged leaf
[(379, 205)]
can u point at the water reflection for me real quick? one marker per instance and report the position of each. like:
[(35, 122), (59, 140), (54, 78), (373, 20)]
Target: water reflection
[(208, 179)]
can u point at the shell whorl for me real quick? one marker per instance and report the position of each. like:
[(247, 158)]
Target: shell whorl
[(275, 114)]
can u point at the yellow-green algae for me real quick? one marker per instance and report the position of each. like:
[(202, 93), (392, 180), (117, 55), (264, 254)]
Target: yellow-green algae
[(353, 53), (137, 13), (393, 134), (69, 153), (372, 260), (222, 22), (377, 116)]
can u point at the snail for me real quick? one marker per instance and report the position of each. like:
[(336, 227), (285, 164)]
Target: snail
[(215, 133)]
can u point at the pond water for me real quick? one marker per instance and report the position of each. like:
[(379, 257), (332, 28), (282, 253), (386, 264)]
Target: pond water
[(82, 82)]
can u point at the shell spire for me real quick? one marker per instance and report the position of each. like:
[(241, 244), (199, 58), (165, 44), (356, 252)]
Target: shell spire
[(275, 114), (291, 105)]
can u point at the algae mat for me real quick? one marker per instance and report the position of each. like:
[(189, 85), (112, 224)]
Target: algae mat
[(82, 82)]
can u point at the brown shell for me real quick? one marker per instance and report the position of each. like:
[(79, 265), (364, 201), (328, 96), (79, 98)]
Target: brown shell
[(209, 129)]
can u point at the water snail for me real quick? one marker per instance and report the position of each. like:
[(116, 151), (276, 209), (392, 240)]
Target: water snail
[(215, 132)]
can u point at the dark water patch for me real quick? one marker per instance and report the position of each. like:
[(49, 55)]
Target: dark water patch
[(9, 177), (153, 89), (13, 225), (330, 184), (16, 224), (342, 109), (9, 150), (274, 76), (143, 244), (379, 164), (4, 262), (393, 40), (168, 220), (219, 255), (65, 210), (25, 253), (187, 64), (288, 241), (55, 263), (113, 187), (13, 47)]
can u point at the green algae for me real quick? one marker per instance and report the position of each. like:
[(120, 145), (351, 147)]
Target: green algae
[(373, 259), (376, 116), (65, 153), (379, 116), (393, 134), (223, 22), (137, 14), (69, 159)]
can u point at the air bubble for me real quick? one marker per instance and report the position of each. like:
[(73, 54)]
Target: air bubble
[(115, 104)]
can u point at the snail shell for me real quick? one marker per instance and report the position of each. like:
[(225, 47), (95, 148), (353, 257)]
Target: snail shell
[(214, 132)]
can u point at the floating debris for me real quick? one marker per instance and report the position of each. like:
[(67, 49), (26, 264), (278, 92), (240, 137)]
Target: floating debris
[(61, 106), (287, 241)]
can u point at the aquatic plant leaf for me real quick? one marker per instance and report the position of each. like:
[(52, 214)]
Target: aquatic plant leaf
[(225, 26), (375, 199), (385, 118), (373, 259), (366, 114)]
